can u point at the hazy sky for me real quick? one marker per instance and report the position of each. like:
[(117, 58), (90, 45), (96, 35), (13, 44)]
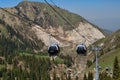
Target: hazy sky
[(104, 13)]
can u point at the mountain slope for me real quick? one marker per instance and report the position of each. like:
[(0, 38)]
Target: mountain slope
[(33, 22), (111, 42), (111, 49)]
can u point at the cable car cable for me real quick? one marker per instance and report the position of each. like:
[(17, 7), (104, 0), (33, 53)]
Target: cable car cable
[(82, 49), (66, 19)]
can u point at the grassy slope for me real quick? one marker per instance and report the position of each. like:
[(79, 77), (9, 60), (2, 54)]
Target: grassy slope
[(3, 30), (107, 60), (57, 60), (50, 16)]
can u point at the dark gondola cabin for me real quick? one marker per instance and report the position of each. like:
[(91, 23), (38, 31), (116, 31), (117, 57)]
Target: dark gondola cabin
[(81, 49), (53, 50)]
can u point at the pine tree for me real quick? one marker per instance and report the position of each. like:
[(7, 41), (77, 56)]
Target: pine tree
[(85, 77), (90, 76), (116, 69), (54, 75), (69, 77)]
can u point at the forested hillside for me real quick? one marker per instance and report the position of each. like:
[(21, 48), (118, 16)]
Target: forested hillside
[(25, 36), (107, 56)]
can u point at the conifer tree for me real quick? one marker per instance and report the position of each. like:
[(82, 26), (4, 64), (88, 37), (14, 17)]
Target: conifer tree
[(90, 76), (85, 77), (69, 77), (116, 69), (77, 78)]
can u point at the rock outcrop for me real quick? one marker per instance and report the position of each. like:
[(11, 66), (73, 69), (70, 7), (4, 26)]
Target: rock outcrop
[(34, 22)]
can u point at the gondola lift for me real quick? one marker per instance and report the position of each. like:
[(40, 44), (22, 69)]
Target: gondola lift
[(53, 48), (81, 49)]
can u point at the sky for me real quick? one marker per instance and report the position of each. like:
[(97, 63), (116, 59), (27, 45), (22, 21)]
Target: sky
[(103, 13)]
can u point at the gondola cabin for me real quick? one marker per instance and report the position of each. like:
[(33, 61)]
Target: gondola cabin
[(81, 49), (53, 50)]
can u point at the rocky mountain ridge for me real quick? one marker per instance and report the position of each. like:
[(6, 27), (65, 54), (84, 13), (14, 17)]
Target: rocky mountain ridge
[(34, 22)]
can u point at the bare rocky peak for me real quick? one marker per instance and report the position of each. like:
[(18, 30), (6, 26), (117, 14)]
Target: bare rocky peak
[(36, 21)]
